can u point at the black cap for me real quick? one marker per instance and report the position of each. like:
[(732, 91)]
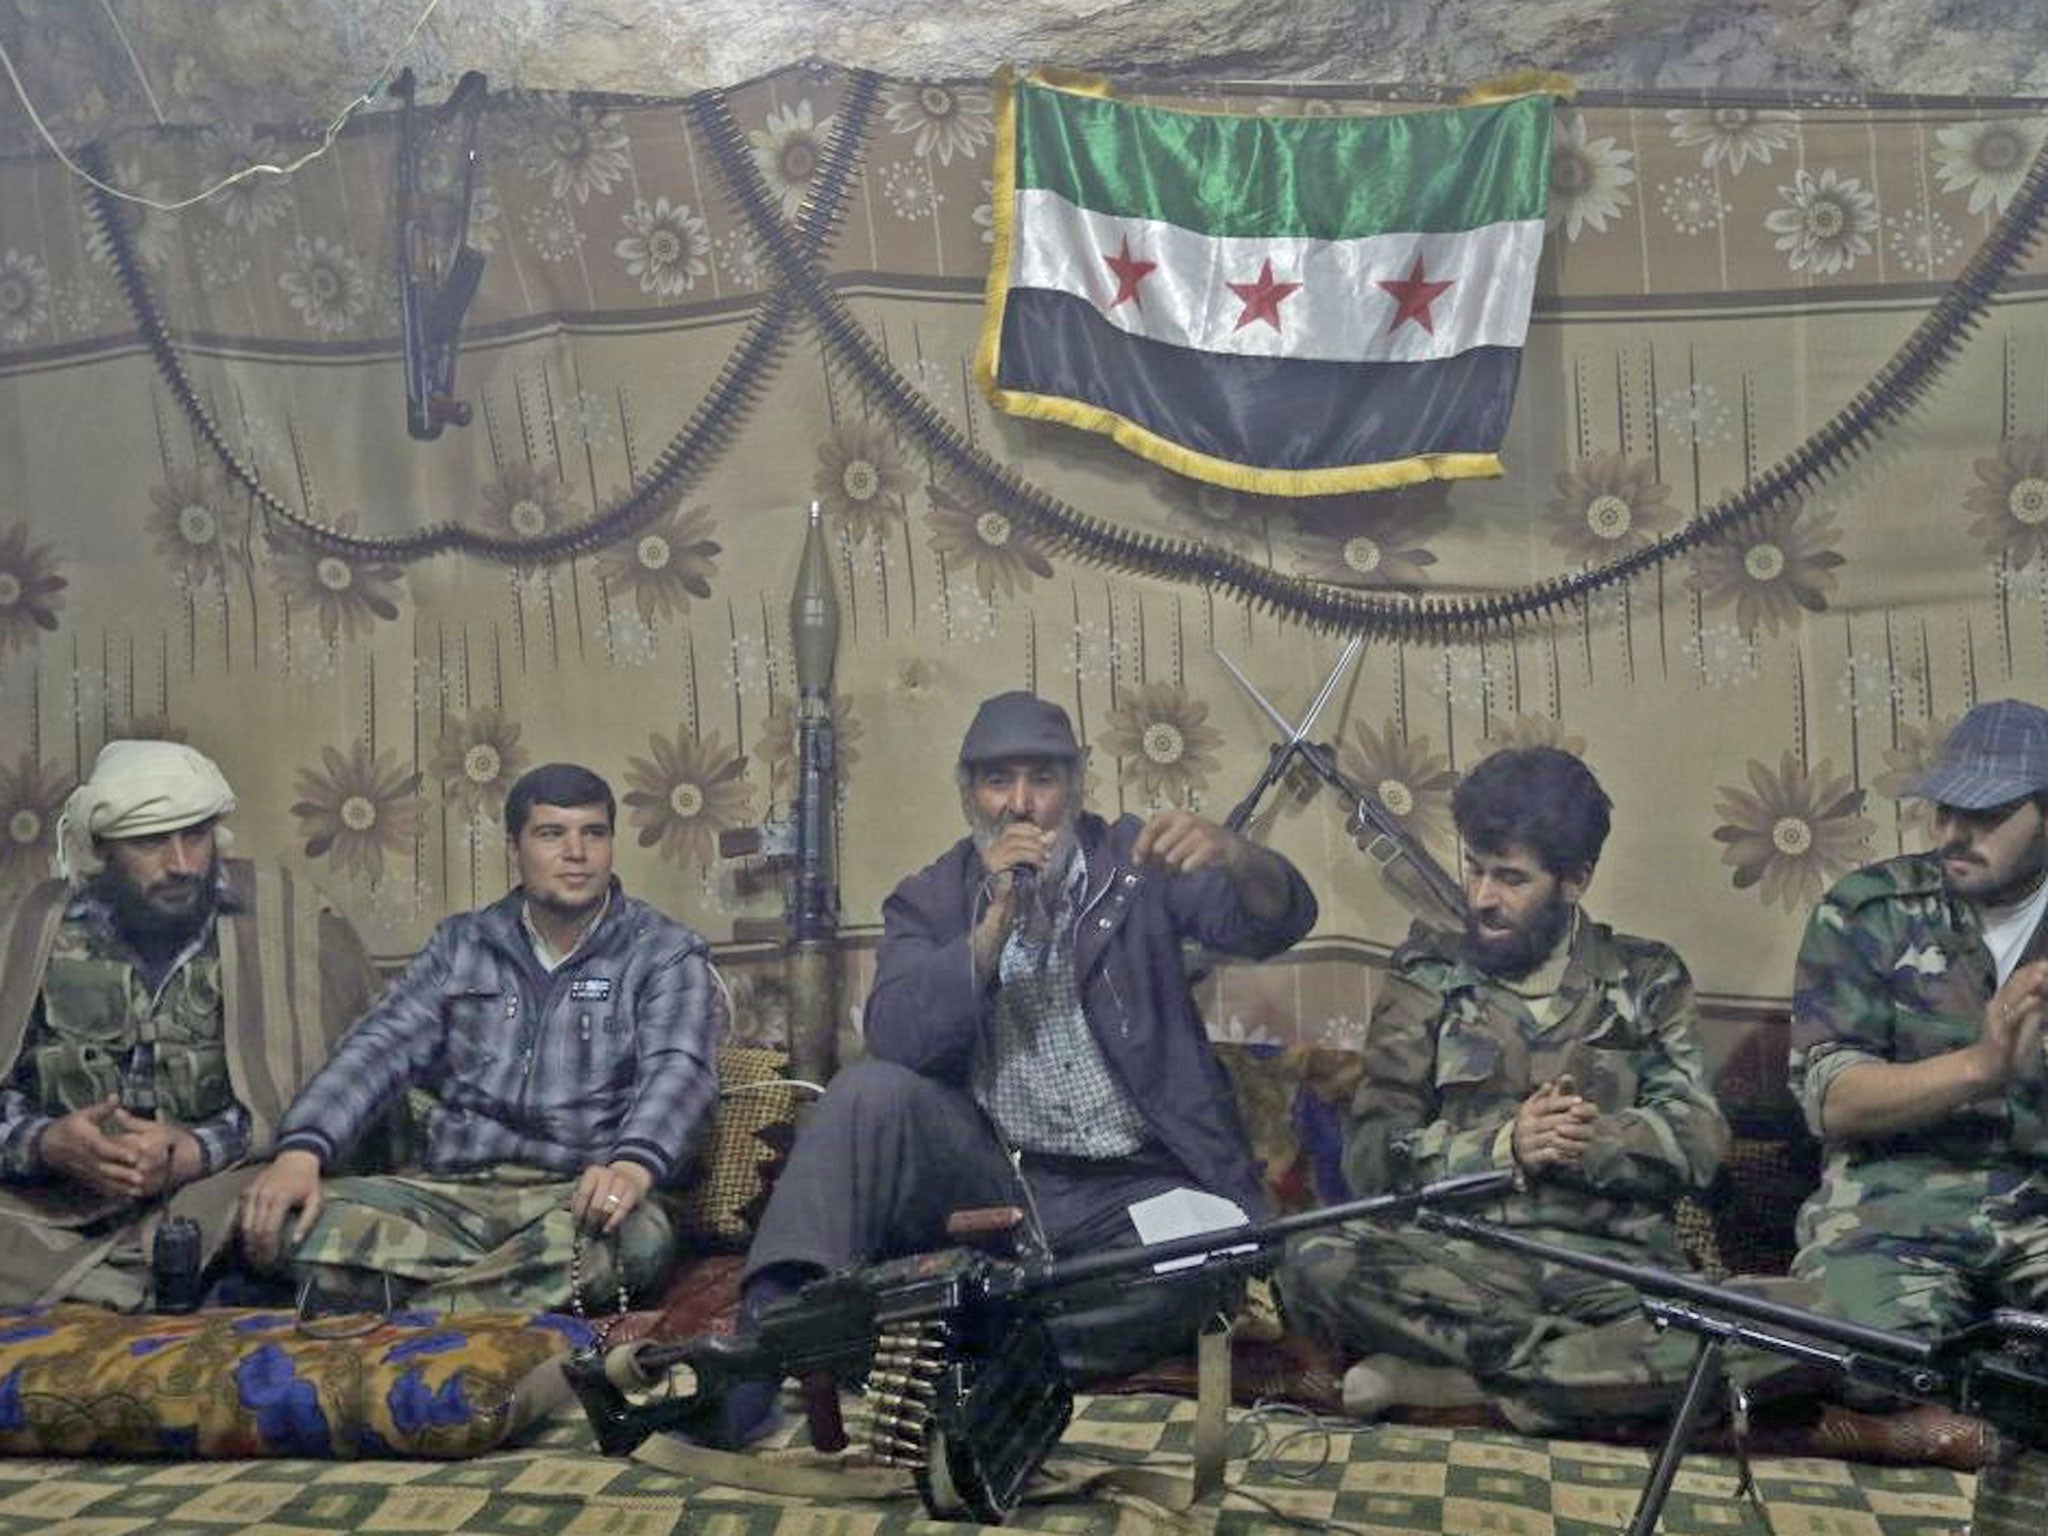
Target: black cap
[(1018, 725)]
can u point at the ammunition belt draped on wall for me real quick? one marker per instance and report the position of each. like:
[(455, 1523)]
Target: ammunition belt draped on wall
[(803, 287)]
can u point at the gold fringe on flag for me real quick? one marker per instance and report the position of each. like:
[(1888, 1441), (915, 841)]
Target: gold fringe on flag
[(1528, 82)]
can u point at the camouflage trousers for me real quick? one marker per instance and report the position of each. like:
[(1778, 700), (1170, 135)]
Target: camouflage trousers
[(1555, 1345), (1923, 1245), (497, 1239)]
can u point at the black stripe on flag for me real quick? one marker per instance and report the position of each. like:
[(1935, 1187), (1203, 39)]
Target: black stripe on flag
[(1271, 413)]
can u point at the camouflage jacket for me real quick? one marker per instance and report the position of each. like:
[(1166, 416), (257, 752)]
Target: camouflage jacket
[(1451, 1053), (291, 975), (1894, 969), (102, 1030)]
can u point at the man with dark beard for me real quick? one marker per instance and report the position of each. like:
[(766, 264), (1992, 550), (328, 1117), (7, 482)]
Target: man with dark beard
[(1917, 1049), (1033, 1042), (1547, 1043), (150, 1033)]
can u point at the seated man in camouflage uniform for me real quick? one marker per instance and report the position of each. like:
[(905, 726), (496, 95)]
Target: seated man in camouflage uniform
[(1917, 1052), (1547, 1043), (150, 1037), (563, 1038)]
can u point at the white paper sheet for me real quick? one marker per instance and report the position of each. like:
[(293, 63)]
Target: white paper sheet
[(1183, 1213)]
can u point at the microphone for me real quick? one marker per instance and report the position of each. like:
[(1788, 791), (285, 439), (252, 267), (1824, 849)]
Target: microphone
[(1027, 916), (1023, 885)]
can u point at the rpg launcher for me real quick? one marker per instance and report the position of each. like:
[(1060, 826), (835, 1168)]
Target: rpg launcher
[(961, 1380), (1996, 1370), (802, 843), (812, 962)]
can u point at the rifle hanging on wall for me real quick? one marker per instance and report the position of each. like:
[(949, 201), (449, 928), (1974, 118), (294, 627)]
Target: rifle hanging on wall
[(1429, 891), (438, 269)]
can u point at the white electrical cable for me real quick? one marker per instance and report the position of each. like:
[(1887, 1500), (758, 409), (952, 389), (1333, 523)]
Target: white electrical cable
[(732, 1011), (816, 1090), (263, 169), (115, 22)]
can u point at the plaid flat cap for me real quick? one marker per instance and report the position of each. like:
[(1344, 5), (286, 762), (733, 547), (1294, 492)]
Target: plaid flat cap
[(1997, 752)]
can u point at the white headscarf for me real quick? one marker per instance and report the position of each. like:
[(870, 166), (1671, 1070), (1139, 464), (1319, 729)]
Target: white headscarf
[(137, 789)]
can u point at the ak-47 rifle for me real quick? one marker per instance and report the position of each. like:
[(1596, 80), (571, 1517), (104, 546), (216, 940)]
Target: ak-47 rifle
[(1996, 1370), (437, 267), (962, 1380), (1426, 888)]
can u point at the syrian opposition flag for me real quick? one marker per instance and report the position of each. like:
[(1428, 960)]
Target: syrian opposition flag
[(1292, 306)]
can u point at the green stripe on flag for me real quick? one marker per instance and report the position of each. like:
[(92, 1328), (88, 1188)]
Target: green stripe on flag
[(1324, 178)]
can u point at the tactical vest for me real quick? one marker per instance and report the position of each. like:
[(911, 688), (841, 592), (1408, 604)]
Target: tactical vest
[(102, 1035)]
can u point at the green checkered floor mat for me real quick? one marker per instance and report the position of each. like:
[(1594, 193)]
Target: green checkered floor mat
[(1390, 1481)]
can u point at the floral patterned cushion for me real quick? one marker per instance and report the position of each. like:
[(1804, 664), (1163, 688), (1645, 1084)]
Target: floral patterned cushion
[(80, 1381)]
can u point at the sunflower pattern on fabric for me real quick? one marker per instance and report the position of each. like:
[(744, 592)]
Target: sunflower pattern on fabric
[(29, 588), (1919, 746), (355, 809), (31, 794), (686, 792), (1792, 832)]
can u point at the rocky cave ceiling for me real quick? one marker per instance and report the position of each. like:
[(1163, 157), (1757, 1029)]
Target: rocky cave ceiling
[(299, 61)]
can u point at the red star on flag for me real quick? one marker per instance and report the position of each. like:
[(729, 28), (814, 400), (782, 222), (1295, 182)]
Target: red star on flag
[(1129, 273), (1413, 295), (1262, 298)]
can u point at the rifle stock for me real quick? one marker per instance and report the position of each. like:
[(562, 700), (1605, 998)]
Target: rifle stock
[(1429, 890)]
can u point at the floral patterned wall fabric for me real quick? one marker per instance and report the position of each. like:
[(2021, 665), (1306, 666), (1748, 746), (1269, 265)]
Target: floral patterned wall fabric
[(1719, 279)]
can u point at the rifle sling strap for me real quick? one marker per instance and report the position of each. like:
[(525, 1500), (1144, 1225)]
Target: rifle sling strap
[(810, 1475), (1198, 1491), (1212, 1409), (804, 1475)]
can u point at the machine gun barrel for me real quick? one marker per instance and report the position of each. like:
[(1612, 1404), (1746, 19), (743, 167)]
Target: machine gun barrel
[(1659, 1282), (1242, 1247), (1994, 1369)]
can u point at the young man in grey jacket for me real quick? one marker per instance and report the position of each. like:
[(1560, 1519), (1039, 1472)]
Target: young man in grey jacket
[(564, 1040)]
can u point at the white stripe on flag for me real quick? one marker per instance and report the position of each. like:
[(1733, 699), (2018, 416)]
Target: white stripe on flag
[(1339, 313)]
